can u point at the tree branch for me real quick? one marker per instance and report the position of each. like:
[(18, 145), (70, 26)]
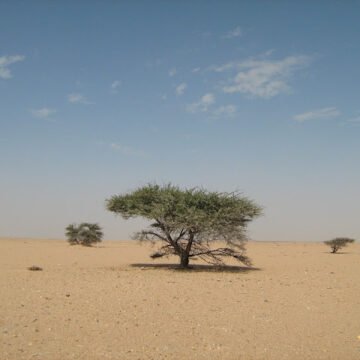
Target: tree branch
[(145, 233)]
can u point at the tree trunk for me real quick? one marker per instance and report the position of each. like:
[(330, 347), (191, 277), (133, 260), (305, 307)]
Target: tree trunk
[(184, 260), (185, 253)]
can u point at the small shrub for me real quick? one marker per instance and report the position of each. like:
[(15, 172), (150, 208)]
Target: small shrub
[(84, 234), (35, 268), (338, 243)]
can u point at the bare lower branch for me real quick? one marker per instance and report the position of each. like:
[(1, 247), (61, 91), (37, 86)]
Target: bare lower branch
[(149, 235), (213, 255), (165, 250)]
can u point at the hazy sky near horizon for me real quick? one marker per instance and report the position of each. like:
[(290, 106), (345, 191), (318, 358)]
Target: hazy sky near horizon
[(98, 98)]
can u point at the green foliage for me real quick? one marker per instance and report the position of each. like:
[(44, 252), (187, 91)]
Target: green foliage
[(338, 243), (84, 234), (188, 220)]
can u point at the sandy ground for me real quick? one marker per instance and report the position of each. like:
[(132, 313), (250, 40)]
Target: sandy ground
[(91, 303)]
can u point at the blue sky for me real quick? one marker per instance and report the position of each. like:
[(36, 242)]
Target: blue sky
[(98, 98)]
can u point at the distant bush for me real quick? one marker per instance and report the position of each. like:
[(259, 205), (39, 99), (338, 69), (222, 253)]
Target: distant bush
[(84, 234), (35, 268), (338, 243)]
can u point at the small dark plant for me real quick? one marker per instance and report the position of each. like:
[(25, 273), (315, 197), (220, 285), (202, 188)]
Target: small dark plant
[(338, 243), (35, 268), (84, 234)]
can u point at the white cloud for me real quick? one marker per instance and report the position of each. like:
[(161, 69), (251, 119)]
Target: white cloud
[(226, 111), (43, 113), (154, 63), (172, 72), (354, 120), (163, 97), (261, 78), (115, 84), (234, 33), (77, 98), (325, 113), (181, 89), (127, 150), (267, 53), (195, 70), (222, 68), (5, 62), (202, 105)]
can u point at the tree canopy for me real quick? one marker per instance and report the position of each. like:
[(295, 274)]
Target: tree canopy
[(338, 243), (187, 221), (84, 234)]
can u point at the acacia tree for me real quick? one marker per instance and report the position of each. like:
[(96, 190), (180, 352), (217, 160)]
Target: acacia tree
[(338, 243), (84, 234), (188, 221)]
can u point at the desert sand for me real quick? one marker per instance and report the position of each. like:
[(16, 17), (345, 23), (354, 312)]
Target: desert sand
[(108, 302)]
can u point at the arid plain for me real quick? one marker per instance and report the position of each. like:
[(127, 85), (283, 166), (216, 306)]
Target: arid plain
[(109, 302)]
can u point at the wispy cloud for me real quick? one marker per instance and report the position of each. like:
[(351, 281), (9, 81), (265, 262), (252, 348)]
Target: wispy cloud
[(154, 63), (233, 33), (202, 105), (127, 150), (172, 72), (325, 113), (225, 111), (223, 67), (115, 86), (261, 78), (267, 53), (180, 89), (195, 70), (5, 62), (42, 113), (77, 98), (354, 120)]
